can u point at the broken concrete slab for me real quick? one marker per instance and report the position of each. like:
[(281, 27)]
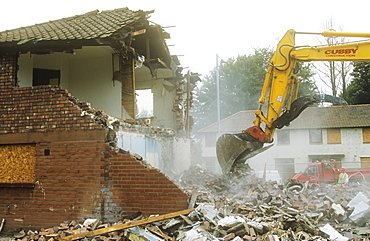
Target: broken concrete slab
[(359, 210), (337, 209), (333, 234), (137, 233), (197, 233), (360, 197)]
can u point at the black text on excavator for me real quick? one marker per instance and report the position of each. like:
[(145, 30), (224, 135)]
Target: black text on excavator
[(279, 99)]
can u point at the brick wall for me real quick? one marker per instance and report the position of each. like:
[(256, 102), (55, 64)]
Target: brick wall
[(8, 70), (67, 186), (78, 175), (138, 188)]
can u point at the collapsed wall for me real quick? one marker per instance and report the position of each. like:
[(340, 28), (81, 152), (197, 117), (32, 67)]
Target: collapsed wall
[(75, 172)]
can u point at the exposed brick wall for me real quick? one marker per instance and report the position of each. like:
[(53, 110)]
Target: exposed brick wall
[(67, 187), (41, 108), (8, 71), (138, 188), (78, 175)]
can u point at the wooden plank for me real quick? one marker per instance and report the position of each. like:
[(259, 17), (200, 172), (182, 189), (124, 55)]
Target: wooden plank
[(126, 225), (334, 136), (139, 32), (366, 135), (159, 232), (365, 161)]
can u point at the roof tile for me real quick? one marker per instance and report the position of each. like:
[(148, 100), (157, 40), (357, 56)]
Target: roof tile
[(348, 116), (94, 24)]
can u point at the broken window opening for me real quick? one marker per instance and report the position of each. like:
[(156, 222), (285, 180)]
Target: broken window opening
[(45, 77), (145, 102)]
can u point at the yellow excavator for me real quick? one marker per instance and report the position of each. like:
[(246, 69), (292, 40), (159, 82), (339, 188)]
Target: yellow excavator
[(279, 99)]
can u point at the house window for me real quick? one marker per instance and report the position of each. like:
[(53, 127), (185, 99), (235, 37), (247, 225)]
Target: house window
[(316, 137), (45, 77), (283, 137), (334, 136), (365, 161), (366, 135), (18, 164), (210, 139)]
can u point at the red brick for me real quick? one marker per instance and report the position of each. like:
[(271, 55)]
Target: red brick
[(71, 179)]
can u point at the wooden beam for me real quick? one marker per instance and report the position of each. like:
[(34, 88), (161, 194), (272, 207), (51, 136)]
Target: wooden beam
[(139, 32), (126, 225), (128, 88)]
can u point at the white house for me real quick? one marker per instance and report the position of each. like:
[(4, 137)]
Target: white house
[(103, 58), (318, 134)]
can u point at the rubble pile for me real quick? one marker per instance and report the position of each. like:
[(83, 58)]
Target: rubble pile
[(238, 207), (292, 211), (105, 120)]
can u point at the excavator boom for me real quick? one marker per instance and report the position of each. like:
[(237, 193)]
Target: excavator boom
[(279, 96)]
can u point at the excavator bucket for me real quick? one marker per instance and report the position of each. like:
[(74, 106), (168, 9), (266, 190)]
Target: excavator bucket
[(236, 148)]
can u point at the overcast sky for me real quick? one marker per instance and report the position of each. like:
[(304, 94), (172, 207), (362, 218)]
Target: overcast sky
[(204, 28)]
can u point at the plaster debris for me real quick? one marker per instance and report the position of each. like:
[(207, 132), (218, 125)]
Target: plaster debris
[(242, 207)]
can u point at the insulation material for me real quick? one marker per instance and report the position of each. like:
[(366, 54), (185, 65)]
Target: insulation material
[(18, 163)]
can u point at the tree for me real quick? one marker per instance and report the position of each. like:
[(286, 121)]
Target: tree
[(358, 91), (334, 74), (241, 82), (307, 85)]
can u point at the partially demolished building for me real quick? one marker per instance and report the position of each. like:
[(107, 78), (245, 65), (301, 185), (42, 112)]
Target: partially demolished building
[(60, 156)]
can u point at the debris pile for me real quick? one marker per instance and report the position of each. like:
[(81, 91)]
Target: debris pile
[(238, 207), (293, 211), (105, 120)]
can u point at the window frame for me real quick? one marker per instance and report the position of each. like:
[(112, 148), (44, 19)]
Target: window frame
[(316, 138)]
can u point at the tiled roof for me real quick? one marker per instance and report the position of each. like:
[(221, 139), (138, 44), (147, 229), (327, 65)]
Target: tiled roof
[(350, 116), (234, 123), (86, 26), (333, 117)]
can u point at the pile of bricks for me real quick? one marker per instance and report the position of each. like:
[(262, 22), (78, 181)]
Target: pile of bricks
[(238, 208)]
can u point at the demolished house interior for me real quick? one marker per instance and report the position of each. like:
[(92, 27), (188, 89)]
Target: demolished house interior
[(68, 98), (68, 174)]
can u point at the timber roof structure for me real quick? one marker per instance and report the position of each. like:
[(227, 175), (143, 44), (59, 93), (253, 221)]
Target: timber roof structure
[(122, 29)]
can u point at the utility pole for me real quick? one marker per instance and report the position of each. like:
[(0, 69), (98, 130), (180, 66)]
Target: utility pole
[(188, 105), (218, 97)]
